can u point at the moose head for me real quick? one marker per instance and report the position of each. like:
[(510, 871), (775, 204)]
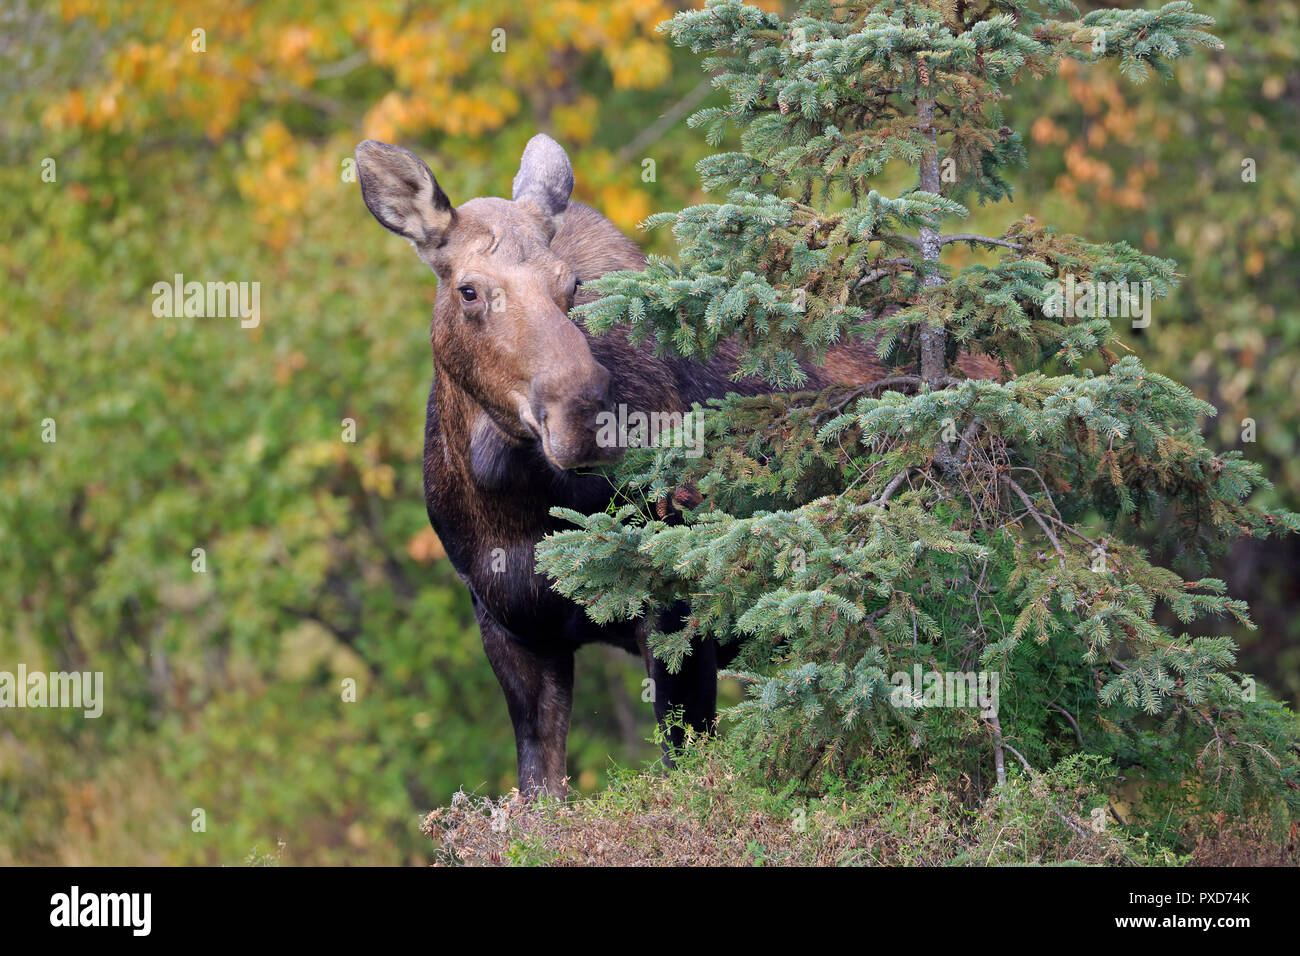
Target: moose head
[(501, 330)]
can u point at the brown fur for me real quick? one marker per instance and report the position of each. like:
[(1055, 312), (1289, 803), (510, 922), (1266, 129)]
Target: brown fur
[(510, 427)]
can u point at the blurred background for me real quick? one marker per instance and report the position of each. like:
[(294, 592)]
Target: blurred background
[(224, 155)]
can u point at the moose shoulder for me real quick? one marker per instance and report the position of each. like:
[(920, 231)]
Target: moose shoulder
[(517, 392)]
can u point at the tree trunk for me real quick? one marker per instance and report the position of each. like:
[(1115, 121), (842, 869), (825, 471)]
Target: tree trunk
[(934, 365)]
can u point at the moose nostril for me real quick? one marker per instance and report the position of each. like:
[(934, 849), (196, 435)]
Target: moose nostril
[(597, 392)]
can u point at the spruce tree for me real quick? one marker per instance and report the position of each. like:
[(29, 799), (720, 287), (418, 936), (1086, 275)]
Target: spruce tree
[(1050, 524)]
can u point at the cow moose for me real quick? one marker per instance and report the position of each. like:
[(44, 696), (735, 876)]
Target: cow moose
[(512, 422)]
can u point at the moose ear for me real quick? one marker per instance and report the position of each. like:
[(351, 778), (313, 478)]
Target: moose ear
[(402, 194), (545, 178)]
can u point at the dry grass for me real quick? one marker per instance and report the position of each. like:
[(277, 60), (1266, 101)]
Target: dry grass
[(1245, 844), (709, 816)]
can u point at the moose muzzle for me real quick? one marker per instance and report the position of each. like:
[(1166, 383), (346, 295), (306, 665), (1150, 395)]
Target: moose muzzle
[(564, 411)]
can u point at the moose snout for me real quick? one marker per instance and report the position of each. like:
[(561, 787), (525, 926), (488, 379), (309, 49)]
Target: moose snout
[(590, 401), (569, 412)]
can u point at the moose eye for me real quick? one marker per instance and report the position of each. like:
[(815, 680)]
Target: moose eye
[(467, 293)]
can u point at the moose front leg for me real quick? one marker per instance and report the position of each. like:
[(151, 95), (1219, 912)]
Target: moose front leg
[(693, 689), (539, 696)]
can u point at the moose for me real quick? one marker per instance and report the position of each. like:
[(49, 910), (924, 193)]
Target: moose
[(511, 428)]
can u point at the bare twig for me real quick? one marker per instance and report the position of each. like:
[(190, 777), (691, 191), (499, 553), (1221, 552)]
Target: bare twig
[(651, 134), (1068, 716), (1037, 516), (890, 488), (1030, 770), (984, 240), (876, 275)]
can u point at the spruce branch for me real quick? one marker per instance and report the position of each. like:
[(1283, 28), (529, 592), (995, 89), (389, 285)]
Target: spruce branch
[(843, 534)]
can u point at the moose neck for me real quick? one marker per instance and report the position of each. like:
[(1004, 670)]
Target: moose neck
[(474, 448)]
